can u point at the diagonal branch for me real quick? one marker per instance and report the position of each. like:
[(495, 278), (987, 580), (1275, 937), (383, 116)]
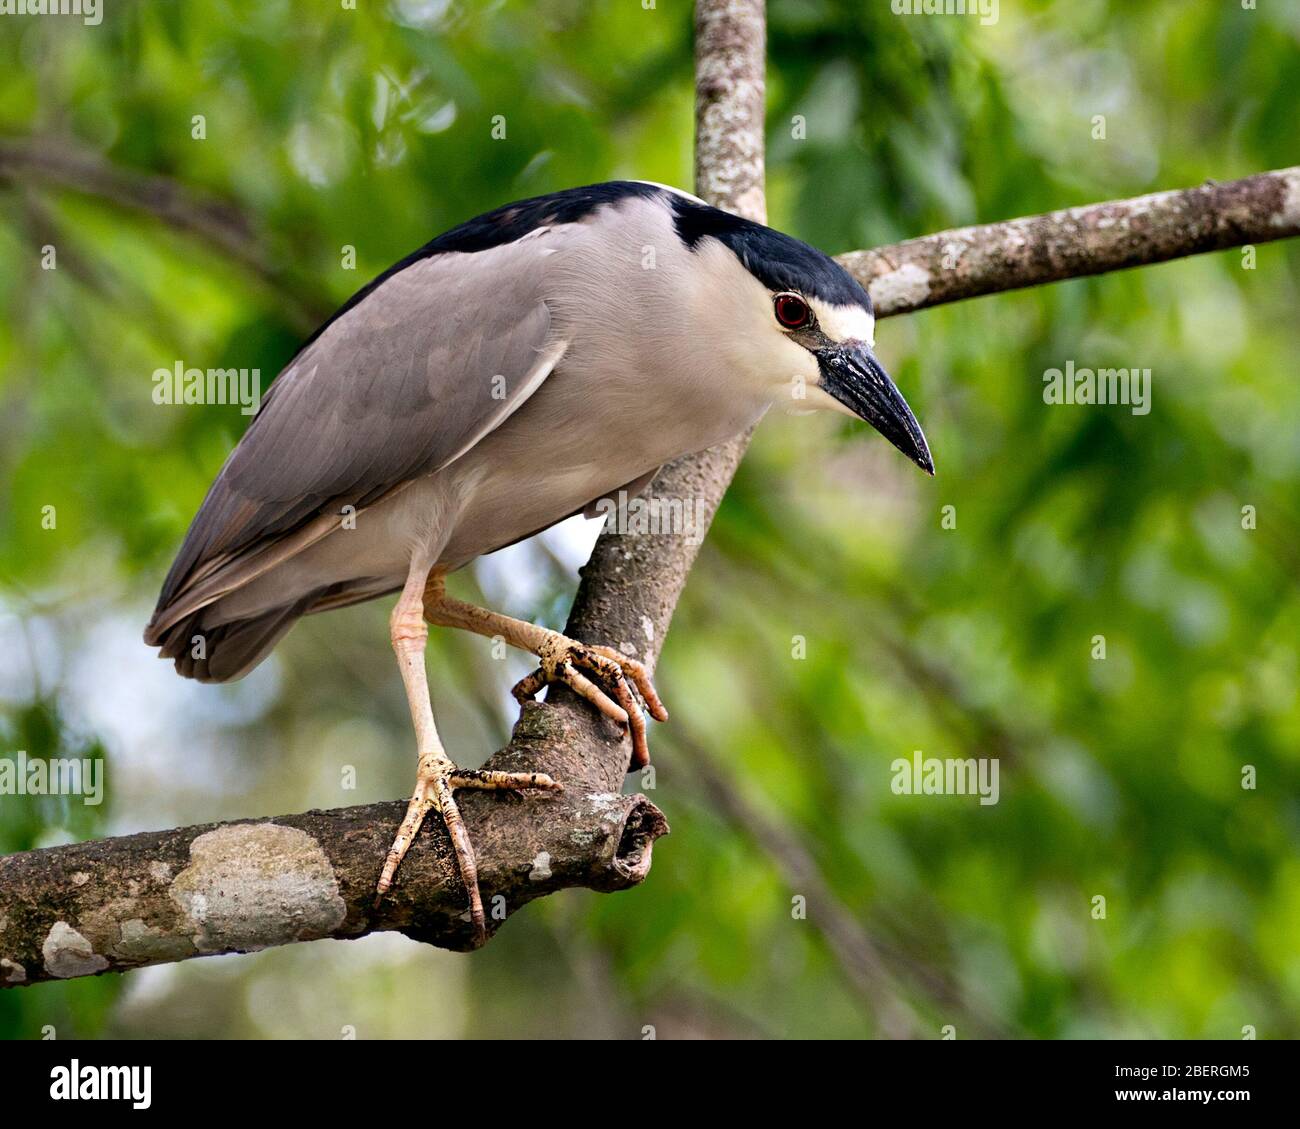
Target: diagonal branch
[(59, 164), (119, 903)]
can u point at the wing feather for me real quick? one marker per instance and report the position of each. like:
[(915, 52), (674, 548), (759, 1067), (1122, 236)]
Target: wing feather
[(401, 384)]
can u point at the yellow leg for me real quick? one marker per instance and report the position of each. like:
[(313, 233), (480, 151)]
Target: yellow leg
[(436, 776), (562, 660)]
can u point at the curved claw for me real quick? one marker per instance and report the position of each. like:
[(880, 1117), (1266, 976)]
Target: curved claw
[(529, 685), (613, 697), (640, 677)]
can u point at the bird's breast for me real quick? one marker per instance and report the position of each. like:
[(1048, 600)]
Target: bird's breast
[(579, 437)]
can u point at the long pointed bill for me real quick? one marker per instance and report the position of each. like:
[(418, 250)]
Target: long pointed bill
[(851, 373)]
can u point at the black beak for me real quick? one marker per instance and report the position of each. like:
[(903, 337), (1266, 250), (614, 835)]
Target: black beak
[(851, 373)]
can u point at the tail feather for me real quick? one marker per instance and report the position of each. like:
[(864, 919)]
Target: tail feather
[(225, 652)]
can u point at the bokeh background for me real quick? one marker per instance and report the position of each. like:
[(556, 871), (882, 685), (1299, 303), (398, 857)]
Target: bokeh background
[(329, 128)]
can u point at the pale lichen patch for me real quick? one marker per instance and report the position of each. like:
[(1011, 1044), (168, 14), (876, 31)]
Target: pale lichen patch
[(160, 871), (80, 878), (67, 953), (605, 804), (255, 885), (541, 867), (953, 252), (751, 202), (141, 943), (1289, 214), (900, 289), (118, 929), (609, 808)]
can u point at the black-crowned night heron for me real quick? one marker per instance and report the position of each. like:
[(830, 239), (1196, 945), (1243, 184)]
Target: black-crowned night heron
[(506, 376)]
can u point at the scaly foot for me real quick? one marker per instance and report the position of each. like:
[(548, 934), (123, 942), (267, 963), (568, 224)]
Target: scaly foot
[(437, 778), (564, 660)]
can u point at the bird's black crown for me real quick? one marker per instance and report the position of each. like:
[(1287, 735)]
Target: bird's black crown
[(777, 260)]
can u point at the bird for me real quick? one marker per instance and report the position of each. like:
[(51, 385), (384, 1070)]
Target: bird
[(516, 370)]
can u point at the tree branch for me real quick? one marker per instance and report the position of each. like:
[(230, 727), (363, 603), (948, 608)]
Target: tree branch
[(160, 896), (220, 223), (969, 261)]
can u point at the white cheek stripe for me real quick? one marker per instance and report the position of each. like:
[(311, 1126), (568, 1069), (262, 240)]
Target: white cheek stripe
[(840, 323)]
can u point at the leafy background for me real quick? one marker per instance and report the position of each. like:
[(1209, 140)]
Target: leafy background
[(1122, 777)]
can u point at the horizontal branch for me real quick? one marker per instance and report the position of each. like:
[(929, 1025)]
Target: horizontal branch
[(116, 904), (990, 258)]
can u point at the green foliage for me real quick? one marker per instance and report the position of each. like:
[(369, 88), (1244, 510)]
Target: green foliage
[(1121, 777)]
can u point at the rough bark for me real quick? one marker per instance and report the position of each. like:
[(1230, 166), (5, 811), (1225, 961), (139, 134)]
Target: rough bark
[(990, 258), (160, 896)]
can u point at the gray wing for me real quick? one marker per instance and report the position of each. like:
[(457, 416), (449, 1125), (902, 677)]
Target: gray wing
[(401, 384)]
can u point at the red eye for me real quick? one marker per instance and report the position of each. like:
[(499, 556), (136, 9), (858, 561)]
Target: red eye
[(792, 311)]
